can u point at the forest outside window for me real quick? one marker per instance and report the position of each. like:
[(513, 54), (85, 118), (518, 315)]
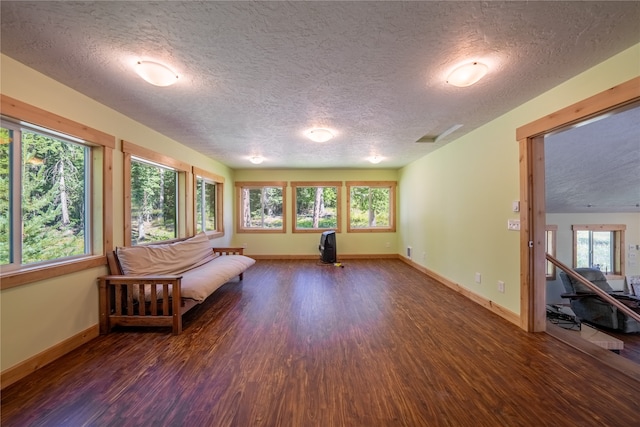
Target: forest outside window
[(154, 197), (316, 206), (155, 212), (371, 206), (600, 246), (261, 207), (208, 203), (45, 193)]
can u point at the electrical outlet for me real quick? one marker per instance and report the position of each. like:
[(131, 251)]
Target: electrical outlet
[(513, 224), (501, 286), (478, 278), (424, 256), (244, 245), (387, 245)]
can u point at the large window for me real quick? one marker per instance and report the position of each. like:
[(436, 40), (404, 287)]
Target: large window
[(54, 195), (316, 206), (208, 202), (44, 182), (371, 206), (600, 246), (154, 197), (261, 207), (151, 186)]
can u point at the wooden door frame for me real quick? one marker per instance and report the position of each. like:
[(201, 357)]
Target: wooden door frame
[(530, 138)]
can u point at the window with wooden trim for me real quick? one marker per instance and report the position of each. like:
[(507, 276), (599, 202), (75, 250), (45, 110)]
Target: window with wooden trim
[(600, 246), (152, 189), (208, 199), (371, 206), (261, 207), (551, 232), (54, 178), (316, 206)]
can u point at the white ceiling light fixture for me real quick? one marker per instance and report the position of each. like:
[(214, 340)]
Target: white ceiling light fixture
[(375, 159), (155, 73), (256, 160), (319, 134), (467, 74)]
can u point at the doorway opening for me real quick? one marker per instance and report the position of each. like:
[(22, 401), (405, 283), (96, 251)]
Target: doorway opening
[(531, 138)]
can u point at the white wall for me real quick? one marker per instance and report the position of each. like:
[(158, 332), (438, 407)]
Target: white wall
[(564, 244), (455, 202)]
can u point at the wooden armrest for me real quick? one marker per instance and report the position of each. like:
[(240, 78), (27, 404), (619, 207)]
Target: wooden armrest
[(229, 251), (125, 278)]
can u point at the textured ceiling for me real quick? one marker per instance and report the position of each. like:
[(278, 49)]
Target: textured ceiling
[(255, 75), (595, 166)]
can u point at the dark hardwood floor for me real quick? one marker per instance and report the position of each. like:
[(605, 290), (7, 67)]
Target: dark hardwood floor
[(631, 350), (300, 344)]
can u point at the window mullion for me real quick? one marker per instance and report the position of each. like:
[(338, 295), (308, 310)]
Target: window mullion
[(591, 242), (371, 213), (15, 201), (88, 197), (203, 188), (263, 200)]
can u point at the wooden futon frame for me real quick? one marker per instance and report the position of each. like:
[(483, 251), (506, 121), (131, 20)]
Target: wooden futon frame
[(119, 304)]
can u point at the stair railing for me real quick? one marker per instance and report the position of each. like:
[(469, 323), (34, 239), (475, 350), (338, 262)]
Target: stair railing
[(596, 290)]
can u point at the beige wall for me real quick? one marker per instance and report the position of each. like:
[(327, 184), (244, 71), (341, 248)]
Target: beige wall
[(455, 202), (39, 315), (307, 243)]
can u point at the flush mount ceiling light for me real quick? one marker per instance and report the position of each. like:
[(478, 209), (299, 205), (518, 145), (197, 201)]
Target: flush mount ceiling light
[(155, 73), (256, 160), (375, 159), (319, 134), (467, 74)]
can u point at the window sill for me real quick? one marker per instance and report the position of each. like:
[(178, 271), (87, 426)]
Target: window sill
[(261, 230), (25, 275), (315, 230), (371, 230), (214, 234)]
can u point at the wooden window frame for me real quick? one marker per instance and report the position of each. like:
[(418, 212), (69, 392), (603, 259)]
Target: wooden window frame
[(103, 145), (391, 185), (294, 209), (219, 183), (618, 272), (260, 184), (183, 194)]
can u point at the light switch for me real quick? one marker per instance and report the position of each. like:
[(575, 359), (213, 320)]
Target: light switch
[(515, 205)]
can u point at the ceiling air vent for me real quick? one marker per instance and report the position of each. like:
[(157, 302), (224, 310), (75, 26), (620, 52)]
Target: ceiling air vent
[(435, 138)]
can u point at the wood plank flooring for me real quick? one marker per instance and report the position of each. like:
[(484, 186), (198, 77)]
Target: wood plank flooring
[(376, 343), (631, 341)]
